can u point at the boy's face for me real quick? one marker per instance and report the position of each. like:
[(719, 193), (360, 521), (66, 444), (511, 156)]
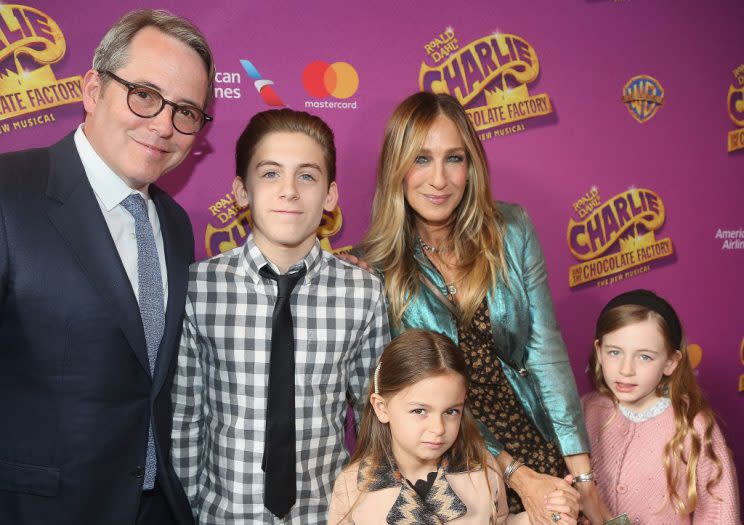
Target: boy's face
[(286, 187)]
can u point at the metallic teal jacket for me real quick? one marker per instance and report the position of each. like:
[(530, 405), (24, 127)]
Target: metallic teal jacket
[(525, 332)]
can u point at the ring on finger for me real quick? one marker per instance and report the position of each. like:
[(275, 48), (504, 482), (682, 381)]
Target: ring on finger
[(556, 517)]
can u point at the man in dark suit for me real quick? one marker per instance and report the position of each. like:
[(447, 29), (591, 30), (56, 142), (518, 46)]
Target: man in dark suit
[(93, 276)]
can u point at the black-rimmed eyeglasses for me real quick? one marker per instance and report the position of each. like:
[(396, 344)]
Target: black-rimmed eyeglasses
[(146, 102)]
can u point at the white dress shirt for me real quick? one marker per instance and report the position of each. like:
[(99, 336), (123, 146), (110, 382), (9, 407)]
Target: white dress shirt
[(111, 190)]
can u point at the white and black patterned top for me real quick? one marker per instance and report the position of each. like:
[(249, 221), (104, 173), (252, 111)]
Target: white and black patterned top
[(220, 388)]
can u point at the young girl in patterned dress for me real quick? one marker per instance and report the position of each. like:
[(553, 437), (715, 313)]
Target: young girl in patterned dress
[(657, 452), (420, 458)]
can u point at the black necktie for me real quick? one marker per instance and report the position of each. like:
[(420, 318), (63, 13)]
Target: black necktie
[(280, 491)]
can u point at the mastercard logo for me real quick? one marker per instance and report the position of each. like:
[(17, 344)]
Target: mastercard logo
[(338, 80)]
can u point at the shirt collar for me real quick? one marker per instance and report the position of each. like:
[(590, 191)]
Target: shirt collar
[(441, 504), (639, 417), (254, 260), (107, 185)]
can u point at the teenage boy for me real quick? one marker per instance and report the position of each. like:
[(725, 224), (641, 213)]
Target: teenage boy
[(277, 335)]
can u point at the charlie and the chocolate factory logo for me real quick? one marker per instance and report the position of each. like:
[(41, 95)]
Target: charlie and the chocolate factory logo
[(30, 42), (616, 240), (735, 105), (489, 76)]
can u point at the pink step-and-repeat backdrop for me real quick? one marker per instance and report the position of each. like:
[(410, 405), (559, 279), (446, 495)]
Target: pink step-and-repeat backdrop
[(619, 125)]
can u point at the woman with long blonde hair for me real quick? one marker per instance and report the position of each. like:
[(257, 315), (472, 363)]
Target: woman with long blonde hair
[(456, 262)]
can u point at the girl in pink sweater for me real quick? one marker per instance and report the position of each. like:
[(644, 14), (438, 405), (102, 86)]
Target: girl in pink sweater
[(420, 459), (657, 452)]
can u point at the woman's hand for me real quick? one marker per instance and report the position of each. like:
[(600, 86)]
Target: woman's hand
[(543, 495), (356, 261)]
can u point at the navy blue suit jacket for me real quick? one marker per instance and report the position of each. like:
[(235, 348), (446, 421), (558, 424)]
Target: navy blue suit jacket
[(76, 393)]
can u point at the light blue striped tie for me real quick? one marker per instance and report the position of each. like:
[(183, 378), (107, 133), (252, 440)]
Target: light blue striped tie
[(150, 283)]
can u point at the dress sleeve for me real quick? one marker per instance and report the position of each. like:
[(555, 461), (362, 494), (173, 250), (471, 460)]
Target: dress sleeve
[(722, 506), (547, 358), (340, 506), (498, 492)]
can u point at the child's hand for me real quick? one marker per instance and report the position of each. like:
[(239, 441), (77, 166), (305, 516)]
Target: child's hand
[(534, 488), (592, 506), (563, 504)]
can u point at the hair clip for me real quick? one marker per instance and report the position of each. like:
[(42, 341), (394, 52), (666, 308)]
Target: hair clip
[(377, 378)]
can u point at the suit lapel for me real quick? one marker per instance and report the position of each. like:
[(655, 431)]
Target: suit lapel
[(75, 213)]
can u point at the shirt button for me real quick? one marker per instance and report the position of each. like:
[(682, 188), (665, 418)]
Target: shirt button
[(622, 489), (138, 472), (523, 372)]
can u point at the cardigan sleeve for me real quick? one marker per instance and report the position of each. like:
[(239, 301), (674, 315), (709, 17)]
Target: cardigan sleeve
[(547, 358)]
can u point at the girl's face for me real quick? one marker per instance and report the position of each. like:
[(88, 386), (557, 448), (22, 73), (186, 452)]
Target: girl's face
[(424, 421), (634, 358), (435, 184)]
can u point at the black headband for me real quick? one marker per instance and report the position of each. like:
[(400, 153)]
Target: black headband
[(653, 302)]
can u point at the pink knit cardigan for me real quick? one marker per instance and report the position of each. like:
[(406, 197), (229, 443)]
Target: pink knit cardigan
[(627, 459)]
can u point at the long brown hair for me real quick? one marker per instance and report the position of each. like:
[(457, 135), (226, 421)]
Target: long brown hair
[(409, 358), (476, 236), (686, 398)]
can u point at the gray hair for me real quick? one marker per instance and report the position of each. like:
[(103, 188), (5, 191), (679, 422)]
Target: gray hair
[(111, 53)]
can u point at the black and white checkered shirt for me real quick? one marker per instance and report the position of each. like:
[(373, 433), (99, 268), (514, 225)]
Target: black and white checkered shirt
[(220, 389)]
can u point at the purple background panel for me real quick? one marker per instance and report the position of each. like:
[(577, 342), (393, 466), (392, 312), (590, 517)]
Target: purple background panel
[(587, 51)]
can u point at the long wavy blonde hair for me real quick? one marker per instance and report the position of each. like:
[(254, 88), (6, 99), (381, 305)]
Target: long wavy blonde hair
[(476, 235), (687, 400)]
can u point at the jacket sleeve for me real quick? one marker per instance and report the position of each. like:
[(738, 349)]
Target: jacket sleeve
[(721, 504), (188, 402), (547, 358), (4, 262)]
